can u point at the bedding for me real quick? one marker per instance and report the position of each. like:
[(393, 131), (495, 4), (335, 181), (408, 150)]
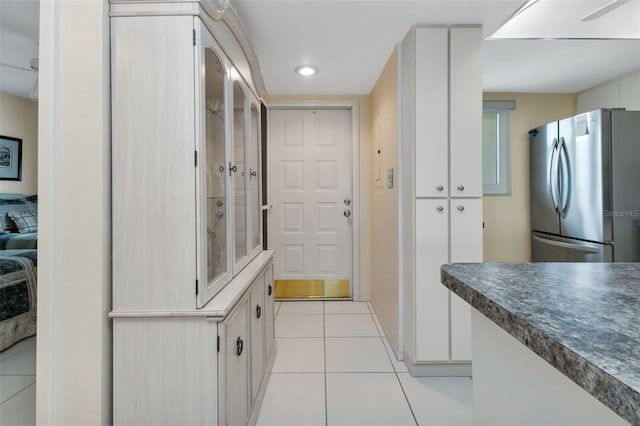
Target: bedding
[(15, 241), (18, 272)]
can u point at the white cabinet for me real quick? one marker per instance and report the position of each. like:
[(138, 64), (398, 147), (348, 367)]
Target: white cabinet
[(269, 313), (196, 367), (446, 105), (431, 102), (186, 148), (432, 299), (191, 342), (442, 189), (257, 313), (444, 234), (237, 365), (465, 111), (466, 246)]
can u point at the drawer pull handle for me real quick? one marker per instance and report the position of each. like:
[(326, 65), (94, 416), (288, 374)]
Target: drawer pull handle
[(439, 187), (460, 187), (440, 208), (461, 208), (258, 311), (270, 289), (239, 346)]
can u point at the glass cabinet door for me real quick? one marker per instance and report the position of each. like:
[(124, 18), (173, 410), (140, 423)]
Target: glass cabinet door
[(254, 181), (214, 258), (239, 176)]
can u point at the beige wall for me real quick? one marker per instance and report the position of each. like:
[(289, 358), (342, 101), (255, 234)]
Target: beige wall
[(19, 119), (623, 92), (384, 201), (74, 242), (507, 217), (363, 205)]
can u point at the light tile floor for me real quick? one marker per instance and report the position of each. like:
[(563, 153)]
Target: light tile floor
[(334, 366), (18, 384)]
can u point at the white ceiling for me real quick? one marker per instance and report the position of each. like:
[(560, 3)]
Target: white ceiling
[(351, 40)]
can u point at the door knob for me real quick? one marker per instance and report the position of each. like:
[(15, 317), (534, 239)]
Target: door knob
[(347, 213)]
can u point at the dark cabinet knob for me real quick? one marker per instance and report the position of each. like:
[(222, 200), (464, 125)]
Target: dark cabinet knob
[(258, 311), (239, 346), (270, 289)]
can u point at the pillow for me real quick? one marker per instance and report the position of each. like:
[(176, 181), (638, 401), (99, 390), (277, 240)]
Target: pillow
[(11, 205), (25, 221)]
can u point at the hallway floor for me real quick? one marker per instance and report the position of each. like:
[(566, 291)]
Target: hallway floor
[(18, 384), (334, 367)]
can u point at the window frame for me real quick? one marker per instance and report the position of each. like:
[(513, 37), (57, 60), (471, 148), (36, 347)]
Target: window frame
[(501, 108)]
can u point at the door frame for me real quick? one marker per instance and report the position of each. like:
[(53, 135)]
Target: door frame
[(355, 177)]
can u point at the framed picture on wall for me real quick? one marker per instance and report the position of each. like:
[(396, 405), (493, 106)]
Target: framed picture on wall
[(10, 158)]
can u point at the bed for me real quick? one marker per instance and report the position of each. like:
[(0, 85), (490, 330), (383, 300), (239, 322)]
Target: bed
[(18, 268), (18, 271)]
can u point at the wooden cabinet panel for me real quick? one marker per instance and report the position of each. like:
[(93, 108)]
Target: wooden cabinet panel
[(269, 313), (432, 298), (465, 112), (152, 164), (431, 104), (257, 314), (237, 366)]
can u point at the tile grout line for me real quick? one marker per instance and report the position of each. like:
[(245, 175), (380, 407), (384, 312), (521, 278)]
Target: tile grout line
[(324, 346), (17, 393), (393, 366), (406, 398)]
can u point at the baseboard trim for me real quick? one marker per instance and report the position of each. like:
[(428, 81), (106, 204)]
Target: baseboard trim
[(445, 369)]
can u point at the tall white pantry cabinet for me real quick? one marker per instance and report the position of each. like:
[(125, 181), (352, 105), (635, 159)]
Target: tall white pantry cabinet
[(441, 109), (193, 326)]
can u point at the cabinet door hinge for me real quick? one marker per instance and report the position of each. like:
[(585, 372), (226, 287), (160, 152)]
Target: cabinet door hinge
[(194, 37), (195, 158), (196, 287)]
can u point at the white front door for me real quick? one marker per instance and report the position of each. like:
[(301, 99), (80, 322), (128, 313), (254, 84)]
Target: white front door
[(310, 188)]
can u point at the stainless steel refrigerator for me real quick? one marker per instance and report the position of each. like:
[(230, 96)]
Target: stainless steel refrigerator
[(585, 188)]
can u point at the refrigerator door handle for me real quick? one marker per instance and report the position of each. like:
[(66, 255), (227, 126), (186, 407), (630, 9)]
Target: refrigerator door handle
[(553, 175), (566, 245), (564, 179)]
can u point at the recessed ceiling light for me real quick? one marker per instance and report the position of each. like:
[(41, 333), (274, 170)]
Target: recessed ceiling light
[(306, 70)]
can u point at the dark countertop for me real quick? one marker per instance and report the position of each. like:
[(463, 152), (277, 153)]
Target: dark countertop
[(582, 318)]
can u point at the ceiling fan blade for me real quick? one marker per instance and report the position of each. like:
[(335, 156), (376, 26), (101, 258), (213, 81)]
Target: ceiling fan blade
[(603, 10), (15, 67)]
